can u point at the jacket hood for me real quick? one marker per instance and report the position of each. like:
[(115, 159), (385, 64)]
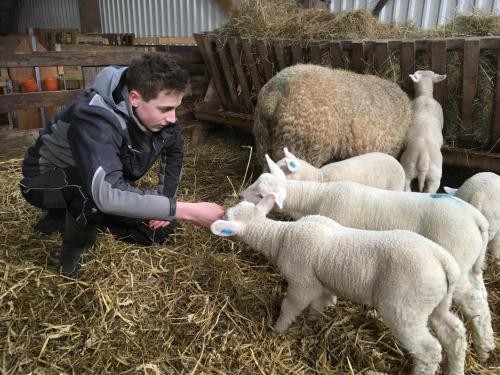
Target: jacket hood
[(106, 83)]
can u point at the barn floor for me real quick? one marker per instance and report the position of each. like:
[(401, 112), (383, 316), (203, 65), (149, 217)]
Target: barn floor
[(199, 304)]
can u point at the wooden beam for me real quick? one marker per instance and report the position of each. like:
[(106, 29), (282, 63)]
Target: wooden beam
[(460, 157), (227, 6), (207, 111), (87, 58), (90, 21), (378, 7), (14, 102)]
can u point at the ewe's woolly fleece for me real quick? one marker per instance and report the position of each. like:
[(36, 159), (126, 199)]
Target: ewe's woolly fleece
[(322, 114)]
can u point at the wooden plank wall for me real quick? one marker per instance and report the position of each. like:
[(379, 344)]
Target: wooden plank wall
[(240, 74)]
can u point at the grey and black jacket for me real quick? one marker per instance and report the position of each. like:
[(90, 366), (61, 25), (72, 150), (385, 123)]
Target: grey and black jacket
[(100, 136)]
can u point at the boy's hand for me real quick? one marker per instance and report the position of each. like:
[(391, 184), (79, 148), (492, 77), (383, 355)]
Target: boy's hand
[(157, 224), (201, 213)]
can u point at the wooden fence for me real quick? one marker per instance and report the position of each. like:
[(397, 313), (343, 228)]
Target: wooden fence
[(92, 62), (239, 67)]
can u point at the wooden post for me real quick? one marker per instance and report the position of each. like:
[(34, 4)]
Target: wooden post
[(494, 143), (407, 65), (469, 87), (200, 132)]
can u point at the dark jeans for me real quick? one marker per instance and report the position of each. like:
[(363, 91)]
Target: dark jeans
[(62, 189)]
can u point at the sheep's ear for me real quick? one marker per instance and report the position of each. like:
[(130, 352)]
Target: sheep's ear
[(280, 198), (438, 78), (414, 77), (225, 228), (291, 161), (450, 191), (266, 204), (274, 168)]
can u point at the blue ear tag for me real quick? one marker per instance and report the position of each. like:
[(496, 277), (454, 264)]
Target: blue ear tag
[(293, 164), (227, 231)]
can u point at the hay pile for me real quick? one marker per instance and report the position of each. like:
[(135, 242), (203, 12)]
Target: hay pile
[(198, 305), (283, 19)]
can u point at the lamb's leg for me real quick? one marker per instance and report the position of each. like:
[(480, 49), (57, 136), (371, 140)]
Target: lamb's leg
[(451, 334), (494, 247), (293, 304), (408, 184), (472, 297), (414, 336), (319, 304), (432, 185)]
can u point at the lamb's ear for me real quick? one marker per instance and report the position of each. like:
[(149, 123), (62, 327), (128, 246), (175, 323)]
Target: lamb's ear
[(225, 228), (266, 204), (438, 78), (414, 77), (280, 198), (291, 161), (450, 191), (274, 168)]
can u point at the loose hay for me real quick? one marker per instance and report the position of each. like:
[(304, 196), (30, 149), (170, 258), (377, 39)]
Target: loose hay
[(200, 304)]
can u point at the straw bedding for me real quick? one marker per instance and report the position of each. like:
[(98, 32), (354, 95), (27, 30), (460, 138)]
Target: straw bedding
[(197, 305)]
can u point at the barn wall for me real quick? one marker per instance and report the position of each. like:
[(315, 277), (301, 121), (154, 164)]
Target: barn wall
[(422, 13), (53, 14), (172, 18)]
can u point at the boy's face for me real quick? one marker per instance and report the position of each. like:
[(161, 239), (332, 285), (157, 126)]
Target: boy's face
[(158, 112)]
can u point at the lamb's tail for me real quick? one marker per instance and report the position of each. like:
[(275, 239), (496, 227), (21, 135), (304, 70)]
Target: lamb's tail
[(422, 168), (450, 267)]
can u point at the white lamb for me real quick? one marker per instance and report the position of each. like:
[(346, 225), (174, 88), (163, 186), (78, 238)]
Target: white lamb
[(444, 219), (483, 191), (374, 169), (422, 157), (408, 278)]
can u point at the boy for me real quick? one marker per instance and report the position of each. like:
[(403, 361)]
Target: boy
[(83, 166)]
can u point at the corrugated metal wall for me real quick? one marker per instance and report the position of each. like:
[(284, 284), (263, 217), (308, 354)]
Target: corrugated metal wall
[(47, 14), (174, 18), (181, 18), (422, 13)]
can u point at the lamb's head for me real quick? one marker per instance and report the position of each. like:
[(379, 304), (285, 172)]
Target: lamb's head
[(268, 183), (237, 217), (295, 168), (425, 79)]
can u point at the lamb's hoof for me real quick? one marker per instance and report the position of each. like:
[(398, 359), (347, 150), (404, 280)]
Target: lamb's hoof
[(482, 355), (272, 333)]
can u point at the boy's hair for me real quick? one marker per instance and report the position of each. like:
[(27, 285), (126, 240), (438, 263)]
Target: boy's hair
[(156, 72)]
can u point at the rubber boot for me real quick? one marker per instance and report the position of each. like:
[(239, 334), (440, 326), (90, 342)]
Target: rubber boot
[(52, 221), (77, 239)]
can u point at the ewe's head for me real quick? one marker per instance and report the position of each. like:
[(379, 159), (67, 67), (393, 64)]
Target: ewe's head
[(239, 216), (293, 167), (268, 183)]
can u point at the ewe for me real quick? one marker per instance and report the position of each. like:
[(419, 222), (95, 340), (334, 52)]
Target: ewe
[(450, 222), (323, 114), (408, 278), (422, 157)]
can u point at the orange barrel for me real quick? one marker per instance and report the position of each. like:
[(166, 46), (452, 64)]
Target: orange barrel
[(29, 85), (50, 84)]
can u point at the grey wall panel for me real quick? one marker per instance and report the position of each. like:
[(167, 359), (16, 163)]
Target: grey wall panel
[(48, 14), (422, 13), (174, 18)]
